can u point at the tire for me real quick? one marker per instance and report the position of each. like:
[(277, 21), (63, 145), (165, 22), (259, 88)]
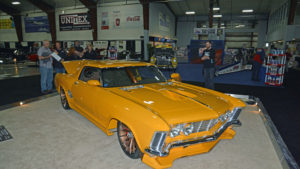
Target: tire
[(127, 141), (64, 99)]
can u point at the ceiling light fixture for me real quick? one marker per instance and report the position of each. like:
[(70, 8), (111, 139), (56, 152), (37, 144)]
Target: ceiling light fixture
[(16, 3), (267, 44), (217, 16), (247, 10), (216, 8), (190, 12), (240, 26)]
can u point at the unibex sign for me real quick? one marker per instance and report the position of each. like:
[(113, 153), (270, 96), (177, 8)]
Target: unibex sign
[(78, 21)]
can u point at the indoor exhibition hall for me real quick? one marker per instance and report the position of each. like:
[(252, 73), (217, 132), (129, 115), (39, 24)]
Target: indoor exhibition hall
[(140, 84)]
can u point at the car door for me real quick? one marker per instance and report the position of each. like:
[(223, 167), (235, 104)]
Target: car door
[(84, 94)]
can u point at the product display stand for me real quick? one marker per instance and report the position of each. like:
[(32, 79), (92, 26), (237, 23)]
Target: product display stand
[(275, 67)]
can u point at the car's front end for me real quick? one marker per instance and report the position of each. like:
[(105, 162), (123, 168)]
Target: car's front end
[(189, 139)]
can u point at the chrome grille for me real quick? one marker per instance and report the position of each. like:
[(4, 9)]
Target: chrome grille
[(204, 125)]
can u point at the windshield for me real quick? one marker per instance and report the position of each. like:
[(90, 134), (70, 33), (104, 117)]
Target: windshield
[(128, 76)]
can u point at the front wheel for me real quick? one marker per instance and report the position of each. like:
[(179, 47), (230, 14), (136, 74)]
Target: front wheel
[(64, 100), (127, 141)]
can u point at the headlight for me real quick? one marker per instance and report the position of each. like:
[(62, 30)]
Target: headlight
[(176, 130), (188, 129), (225, 116)]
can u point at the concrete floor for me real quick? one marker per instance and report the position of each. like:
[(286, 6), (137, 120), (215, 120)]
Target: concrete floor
[(18, 70), (46, 136)]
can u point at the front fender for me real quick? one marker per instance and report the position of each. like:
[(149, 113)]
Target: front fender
[(143, 122)]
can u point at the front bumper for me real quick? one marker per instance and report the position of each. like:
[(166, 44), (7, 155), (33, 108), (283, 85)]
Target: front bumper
[(186, 143), (157, 147)]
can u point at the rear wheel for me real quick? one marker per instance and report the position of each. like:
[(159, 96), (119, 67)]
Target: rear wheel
[(64, 100), (127, 141)]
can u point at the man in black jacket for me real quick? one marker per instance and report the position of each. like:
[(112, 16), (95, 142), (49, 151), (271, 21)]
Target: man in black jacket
[(58, 66), (208, 56)]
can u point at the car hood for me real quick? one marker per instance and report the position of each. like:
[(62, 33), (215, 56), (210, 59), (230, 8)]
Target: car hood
[(176, 102)]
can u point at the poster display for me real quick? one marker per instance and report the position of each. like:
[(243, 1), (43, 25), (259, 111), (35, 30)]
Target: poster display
[(120, 20), (122, 46), (138, 46), (116, 19), (100, 44), (206, 31), (7, 24), (164, 22), (74, 22), (36, 24), (24, 44), (104, 21), (12, 45)]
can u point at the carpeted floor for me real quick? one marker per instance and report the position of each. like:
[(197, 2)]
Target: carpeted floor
[(283, 104)]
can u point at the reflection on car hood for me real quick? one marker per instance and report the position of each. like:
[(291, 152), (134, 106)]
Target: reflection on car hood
[(177, 102)]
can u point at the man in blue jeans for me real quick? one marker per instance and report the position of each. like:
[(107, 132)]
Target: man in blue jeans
[(46, 69), (208, 56)]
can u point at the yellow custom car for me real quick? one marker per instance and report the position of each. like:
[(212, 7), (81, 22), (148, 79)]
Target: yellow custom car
[(156, 119)]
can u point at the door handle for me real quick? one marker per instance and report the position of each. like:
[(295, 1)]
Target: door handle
[(76, 82)]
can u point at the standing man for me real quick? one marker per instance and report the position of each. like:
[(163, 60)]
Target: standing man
[(79, 51), (46, 69), (208, 56), (256, 64), (58, 66)]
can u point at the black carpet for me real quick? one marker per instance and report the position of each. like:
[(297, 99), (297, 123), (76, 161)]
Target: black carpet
[(283, 104), (19, 89)]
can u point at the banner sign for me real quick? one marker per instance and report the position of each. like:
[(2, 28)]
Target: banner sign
[(164, 22), (74, 22), (7, 24), (206, 31), (36, 24)]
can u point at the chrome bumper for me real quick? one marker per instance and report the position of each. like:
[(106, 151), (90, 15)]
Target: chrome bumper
[(159, 151)]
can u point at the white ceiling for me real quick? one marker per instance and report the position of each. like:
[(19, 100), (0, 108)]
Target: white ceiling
[(201, 7)]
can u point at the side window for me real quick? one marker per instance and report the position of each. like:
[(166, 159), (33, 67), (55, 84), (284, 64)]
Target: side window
[(90, 73)]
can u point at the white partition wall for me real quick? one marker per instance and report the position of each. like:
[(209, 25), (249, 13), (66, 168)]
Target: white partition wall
[(161, 21), (120, 22)]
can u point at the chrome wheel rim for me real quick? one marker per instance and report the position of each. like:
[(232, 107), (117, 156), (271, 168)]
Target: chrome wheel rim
[(127, 139), (63, 98)]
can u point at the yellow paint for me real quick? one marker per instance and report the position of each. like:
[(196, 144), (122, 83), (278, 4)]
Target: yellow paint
[(155, 107)]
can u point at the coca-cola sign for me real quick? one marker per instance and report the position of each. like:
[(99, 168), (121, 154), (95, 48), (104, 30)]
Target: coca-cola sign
[(71, 22), (133, 18)]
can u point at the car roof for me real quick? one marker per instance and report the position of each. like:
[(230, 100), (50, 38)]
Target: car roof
[(114, 63)]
